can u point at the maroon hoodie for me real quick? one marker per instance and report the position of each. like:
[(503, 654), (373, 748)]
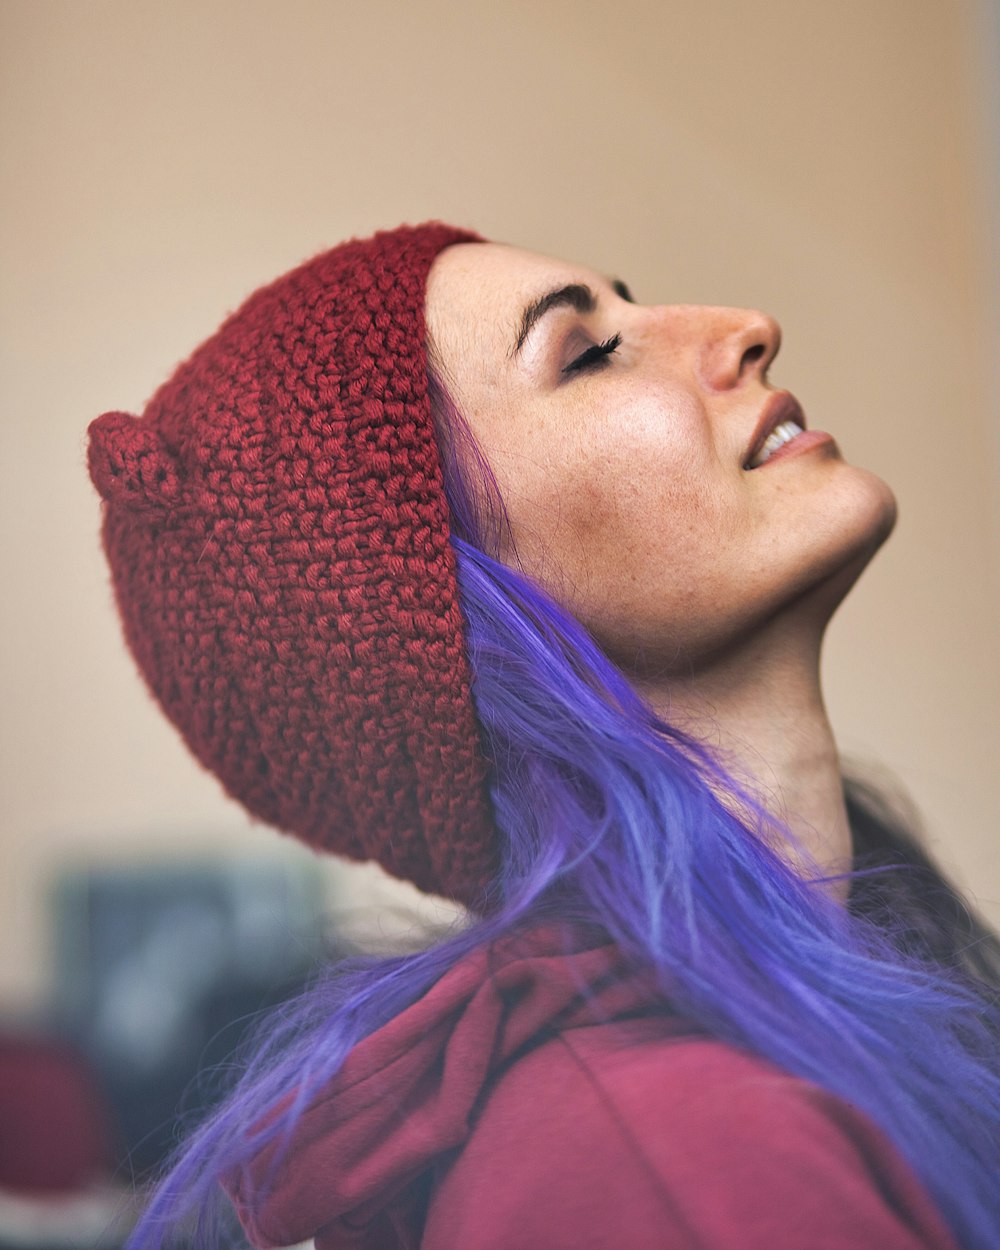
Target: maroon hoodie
[(535, 1098)]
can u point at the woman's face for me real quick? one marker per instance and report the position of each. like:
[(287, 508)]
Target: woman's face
[(620, 436)]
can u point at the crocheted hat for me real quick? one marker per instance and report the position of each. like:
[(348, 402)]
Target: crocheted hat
[(278, 539)]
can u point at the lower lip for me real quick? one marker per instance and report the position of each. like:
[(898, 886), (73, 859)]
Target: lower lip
[(803, 442)]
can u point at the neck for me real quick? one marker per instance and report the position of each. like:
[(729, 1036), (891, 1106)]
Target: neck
[(761, 710)]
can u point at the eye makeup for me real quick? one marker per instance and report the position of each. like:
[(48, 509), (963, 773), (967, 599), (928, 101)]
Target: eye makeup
[(595, 356)]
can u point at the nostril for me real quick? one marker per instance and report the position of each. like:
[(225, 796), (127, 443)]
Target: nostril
[(742, 347), (751, 356)]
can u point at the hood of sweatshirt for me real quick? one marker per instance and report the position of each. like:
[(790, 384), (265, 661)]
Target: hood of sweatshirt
[(363, 1155)]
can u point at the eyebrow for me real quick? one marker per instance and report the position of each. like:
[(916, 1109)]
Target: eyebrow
[(573, 295)]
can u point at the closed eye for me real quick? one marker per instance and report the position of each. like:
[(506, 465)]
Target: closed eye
[(595, 356)]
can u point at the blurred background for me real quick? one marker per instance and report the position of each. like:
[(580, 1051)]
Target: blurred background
[(836, 165)]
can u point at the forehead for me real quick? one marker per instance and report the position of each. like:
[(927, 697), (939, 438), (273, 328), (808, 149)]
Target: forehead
[(476, 293)]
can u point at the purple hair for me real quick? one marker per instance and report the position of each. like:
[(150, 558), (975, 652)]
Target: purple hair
[(609, 817)]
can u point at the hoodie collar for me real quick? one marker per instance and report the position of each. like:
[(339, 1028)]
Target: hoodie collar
[(407, 1095)]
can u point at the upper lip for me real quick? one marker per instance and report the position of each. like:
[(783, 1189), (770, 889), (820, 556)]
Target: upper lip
[(782, 406)]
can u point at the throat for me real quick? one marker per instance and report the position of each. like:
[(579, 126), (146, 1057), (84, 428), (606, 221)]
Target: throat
[(766, 724)]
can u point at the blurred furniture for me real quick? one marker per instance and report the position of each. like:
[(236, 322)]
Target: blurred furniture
[(161, 969)]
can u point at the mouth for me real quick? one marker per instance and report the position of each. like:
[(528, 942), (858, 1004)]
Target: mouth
[(781, 421)]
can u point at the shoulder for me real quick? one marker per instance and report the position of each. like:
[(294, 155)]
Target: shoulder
[(628, 1134)]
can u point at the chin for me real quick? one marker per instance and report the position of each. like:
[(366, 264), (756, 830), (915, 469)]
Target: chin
[(876, 511), (869, 513)]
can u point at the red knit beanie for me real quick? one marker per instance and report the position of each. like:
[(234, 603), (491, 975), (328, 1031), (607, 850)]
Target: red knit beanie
[(278, 540)]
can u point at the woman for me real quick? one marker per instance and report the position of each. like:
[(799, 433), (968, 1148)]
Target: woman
[(449, 555)]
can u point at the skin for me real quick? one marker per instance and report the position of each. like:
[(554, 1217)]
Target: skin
[(709, 585)]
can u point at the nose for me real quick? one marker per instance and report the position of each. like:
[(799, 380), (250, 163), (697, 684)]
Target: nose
[(738, 344)]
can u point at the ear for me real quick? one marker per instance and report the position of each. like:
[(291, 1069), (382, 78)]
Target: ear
[(129, 465)]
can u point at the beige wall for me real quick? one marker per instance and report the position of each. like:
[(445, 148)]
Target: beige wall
[(823, 161)]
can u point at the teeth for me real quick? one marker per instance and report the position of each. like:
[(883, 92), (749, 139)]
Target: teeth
[(781, 434)]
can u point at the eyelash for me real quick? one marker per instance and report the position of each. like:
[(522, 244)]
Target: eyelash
[(595, 356)]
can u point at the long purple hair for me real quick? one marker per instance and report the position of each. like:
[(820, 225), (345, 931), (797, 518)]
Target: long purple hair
[(609, 817)]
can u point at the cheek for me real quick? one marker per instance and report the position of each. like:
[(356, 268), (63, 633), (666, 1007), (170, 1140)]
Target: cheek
[(651, 489), (623, 527)]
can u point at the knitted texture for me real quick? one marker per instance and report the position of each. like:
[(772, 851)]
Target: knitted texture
[(277, 534)]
